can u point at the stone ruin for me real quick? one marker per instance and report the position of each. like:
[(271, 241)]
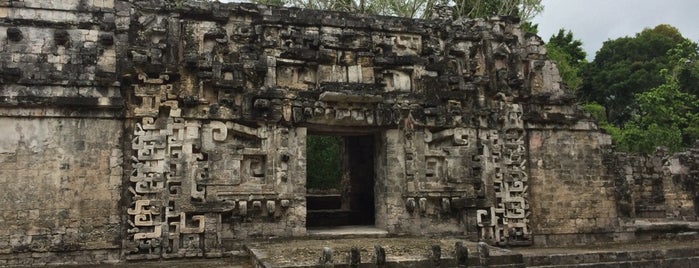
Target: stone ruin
[(164, 129)]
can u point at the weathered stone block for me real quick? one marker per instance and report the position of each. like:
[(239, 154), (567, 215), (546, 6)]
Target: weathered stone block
[(201, 112)]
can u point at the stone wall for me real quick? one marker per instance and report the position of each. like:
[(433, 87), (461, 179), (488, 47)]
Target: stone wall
[(62, 186), (59, 53), (166, 129), (575, 198), (61, 158), (223, 96), (659, 186)]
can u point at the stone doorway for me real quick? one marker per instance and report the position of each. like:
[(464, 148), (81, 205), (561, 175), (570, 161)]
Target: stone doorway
[(340, 180)]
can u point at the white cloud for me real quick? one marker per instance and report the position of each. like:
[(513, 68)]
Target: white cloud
[(595, 21)]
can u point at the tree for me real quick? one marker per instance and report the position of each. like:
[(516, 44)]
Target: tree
[(685, 60), (572, 47), (405, 8), (627, 66), (529, 27), (569, 56), (271, 2), (666, 115), (525, 9), (400, 8)]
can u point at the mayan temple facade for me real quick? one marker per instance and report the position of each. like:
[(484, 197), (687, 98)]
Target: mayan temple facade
[(164, 129)]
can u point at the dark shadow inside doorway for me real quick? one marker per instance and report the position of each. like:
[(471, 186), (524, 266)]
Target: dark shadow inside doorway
[(340, 180)]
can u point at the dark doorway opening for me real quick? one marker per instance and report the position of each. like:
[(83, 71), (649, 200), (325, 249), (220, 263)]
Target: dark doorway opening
[(340, 180)]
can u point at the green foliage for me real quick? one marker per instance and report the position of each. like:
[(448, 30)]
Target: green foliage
[(529, 27), (569, 73), (667, 107), (400, 8), (684, 61), (627, 66), (323, 162), (278, 3), (525, 9), (569, 56), (567, 44), (596, 111), (665, 116), (404, 8), (635, 138)]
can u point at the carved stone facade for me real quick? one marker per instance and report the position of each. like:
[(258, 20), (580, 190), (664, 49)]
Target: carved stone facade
[(187, 124), (222, 107)]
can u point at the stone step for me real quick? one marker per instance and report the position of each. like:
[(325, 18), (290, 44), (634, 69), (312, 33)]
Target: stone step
[(323, 201), (328, 217), (416, 252), (684, 262), (651, 254), (351, 231), (399, 252)]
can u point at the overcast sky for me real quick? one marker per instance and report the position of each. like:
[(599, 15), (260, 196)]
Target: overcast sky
[(596, 21)]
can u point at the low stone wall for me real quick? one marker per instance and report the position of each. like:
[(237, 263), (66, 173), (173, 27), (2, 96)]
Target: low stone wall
[(61, 144), (658, 186), (62, 181), (167, 129), (575, 198)]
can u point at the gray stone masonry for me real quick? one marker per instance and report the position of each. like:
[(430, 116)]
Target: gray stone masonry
[(158, 129)]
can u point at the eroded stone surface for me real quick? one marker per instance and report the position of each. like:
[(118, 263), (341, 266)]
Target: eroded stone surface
[(413, 252), (223, 133), (154, 129)]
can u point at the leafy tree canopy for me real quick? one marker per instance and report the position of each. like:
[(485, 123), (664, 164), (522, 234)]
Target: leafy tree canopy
[(666, 115), (572, 47), (569, 57), (628, 66), (525, 9)]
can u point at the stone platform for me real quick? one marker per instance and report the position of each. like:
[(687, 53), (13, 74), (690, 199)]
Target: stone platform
[(417, 252), (399, 252), (347, 232), (651, 254)]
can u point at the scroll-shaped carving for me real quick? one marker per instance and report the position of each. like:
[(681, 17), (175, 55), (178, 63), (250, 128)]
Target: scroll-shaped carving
[(147, 230), (486, 221), (198, 192), (157, 232), (510, 179), (181, 227), (142, 207), (214, 131), (151, 183), (458, 136), (223, 134), (443, 161)]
